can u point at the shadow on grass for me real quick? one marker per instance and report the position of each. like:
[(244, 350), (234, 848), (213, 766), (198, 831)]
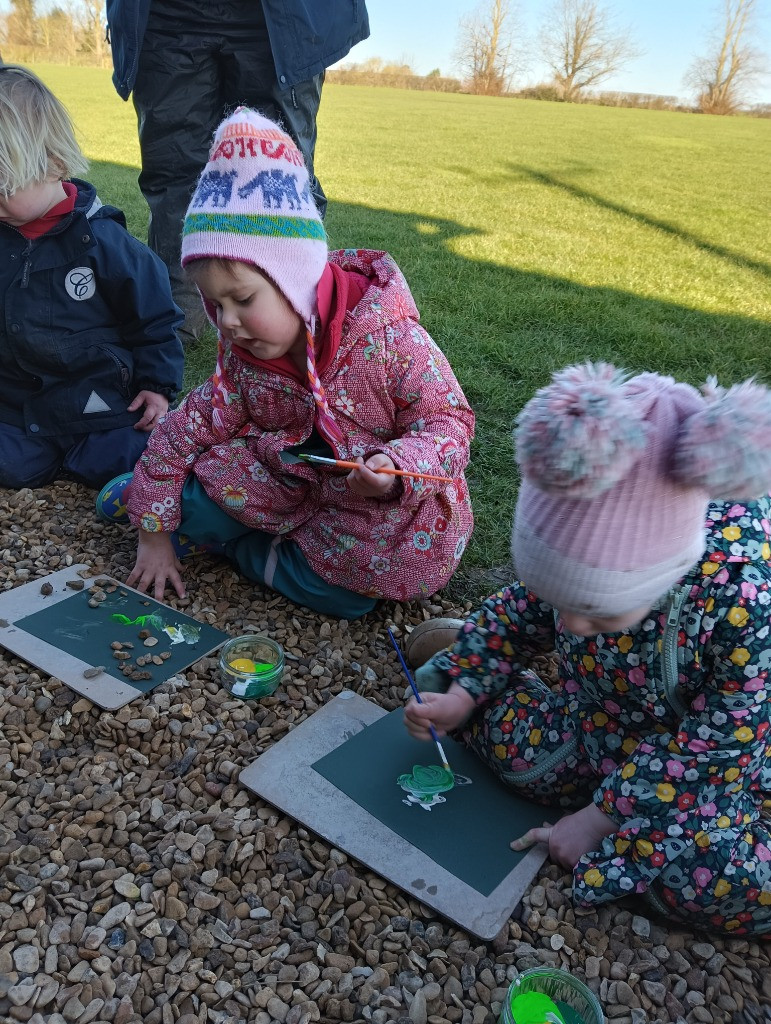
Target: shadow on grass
[(505, 331), (744, 262)]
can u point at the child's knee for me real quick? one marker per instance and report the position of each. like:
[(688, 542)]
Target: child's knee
[(15, 474)]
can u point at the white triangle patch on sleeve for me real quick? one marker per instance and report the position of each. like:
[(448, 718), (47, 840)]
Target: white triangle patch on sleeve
[(95, 404)]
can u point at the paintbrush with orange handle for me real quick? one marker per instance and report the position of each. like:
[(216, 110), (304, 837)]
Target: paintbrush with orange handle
[(290, 457)]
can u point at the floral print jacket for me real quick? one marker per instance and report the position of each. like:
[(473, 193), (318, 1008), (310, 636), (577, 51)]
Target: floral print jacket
[(681, 762), (390, 389)]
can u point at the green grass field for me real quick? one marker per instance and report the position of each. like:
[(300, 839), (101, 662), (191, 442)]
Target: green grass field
[(532, 235)]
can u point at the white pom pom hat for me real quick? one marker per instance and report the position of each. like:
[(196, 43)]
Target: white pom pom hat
[(617, 475)]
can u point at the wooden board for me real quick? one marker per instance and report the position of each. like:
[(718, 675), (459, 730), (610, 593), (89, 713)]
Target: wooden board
[(61, 634), (285, 776)]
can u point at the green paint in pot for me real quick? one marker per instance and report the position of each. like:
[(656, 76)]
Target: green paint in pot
[(535, 1008)]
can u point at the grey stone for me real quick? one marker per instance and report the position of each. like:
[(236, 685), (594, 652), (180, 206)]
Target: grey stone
[(641, 926), (115, 915), (26, 959), (655, 991), (417, 1011)]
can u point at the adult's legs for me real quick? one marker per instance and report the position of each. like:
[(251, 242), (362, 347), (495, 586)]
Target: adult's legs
[(249, 78), (28, 461), (178, 100)]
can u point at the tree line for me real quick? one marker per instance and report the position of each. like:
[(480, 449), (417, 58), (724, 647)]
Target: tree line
[(579, 41), (69, 31), (582, 45)]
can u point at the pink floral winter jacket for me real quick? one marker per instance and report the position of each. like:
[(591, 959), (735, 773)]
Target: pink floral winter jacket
[(390, 389)]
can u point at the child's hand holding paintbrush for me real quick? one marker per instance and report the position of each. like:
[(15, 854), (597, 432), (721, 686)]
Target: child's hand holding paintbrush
[(378, 463), (443, 711), (431, 715), (373, 478)]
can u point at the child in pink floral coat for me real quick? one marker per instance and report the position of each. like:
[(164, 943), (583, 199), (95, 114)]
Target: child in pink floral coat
[(320, 353)]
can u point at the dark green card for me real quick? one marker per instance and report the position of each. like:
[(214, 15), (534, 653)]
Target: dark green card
[(87, 633), (468, 834)]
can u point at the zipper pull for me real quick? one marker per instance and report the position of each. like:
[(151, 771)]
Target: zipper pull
[(674, 613), (26, 267)]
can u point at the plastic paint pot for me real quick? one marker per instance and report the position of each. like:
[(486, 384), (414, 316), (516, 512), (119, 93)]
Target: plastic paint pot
[(575, 1003), (251, 666)]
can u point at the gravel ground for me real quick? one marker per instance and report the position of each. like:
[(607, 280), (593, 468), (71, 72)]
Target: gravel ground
[(139, 882)]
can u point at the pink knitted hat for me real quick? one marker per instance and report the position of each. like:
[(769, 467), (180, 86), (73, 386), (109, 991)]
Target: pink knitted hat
[(252, 203), (617, 474)]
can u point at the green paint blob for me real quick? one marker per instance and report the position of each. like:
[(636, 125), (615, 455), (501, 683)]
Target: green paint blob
[(141, 620), (535, 1008), (426, 781)]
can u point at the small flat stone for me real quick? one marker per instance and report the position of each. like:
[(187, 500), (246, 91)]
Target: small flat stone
[(417, 1011), (126, 886), (115, 915), (26, 959), (654, 990), (641, 926), (703, 950)]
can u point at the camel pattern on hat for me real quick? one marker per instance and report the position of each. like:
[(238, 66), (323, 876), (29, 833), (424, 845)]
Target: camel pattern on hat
[(253, 203)]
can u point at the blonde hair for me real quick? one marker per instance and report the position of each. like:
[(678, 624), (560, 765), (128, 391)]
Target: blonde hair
[(37, 141)]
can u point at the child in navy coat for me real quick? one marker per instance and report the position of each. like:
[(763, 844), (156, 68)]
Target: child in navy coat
[(89, 356)]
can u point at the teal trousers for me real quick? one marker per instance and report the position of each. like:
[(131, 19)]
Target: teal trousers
[(266, 558)]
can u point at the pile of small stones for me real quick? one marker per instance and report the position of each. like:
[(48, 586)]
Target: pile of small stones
[(140, 882)]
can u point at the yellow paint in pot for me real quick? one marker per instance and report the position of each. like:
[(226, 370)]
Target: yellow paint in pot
[(252, 667)]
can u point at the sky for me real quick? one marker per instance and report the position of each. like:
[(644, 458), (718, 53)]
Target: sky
[(424, 34)]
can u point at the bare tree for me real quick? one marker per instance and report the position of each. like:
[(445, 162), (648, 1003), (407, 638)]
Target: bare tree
[(724, 77), (22, 23), (92, 17), (485, 53), (58, 32), (582, 45)]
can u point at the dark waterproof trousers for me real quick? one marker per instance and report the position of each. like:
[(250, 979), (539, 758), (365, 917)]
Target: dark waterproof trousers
[(199, 61), (91, 459)]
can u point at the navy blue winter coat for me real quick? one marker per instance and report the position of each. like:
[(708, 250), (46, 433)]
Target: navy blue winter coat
[(87, 321), (306, 36)]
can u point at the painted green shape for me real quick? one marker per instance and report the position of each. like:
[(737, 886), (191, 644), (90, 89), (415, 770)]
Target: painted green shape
[(426, 781), (141, 620), (535, 1008), (86, 633)]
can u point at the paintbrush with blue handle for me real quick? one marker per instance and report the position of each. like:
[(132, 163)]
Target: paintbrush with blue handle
[(419, 699)]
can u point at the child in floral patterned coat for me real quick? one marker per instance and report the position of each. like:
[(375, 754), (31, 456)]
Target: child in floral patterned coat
[(320, 353), (657, 737)]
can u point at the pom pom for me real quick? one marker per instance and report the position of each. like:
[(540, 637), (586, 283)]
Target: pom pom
[(582, 433), (724, 448)]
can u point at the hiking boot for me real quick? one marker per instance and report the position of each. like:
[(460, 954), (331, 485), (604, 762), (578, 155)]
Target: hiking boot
[(429, 638)]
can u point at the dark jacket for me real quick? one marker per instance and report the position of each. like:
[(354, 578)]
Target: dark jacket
[(306, 36), (87, 321)]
